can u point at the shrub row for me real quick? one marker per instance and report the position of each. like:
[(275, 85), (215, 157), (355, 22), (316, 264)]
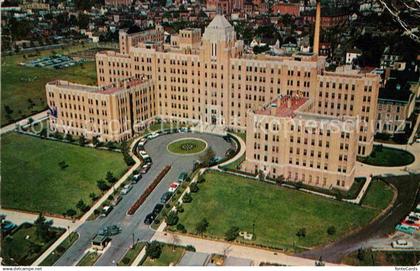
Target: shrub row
[(149, 190)]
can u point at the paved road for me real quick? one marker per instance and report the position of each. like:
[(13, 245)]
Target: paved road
[(134, 224), (408, 193), (24, 121)]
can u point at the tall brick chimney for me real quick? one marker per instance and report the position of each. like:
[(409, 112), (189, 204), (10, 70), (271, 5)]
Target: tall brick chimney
[(317, 27)]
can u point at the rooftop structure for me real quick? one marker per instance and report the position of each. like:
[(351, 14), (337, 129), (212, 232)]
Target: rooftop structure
[(284, 106)]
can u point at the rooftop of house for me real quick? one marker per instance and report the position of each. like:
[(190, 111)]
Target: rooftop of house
[(284, 106)]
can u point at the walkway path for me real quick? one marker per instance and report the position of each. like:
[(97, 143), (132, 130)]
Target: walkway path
[(35, 117), (19, 217), (361, 193), (224, 248), (75, 225)]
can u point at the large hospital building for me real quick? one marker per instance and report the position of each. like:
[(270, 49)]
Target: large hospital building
[(302, 122)]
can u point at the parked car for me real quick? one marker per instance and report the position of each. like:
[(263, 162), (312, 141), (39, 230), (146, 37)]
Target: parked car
[(106, 210), (144, 169), (157, 209), (401, 243), (182, 177), (149, 219), (153, 135), (405, 229), (7, 227), (126, 189), (136, 178), (165, 197), (413, 214), (110, 230), (173, 187), (184, 130), (116, 200)]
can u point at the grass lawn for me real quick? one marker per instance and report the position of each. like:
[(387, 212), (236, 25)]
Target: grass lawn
[(19, 84), (278, 213), (382, 258), (16, 249), (187, 146), (379, 195), (89, 259), (131, 254), (167, 257), (32, 179), (387, 157), (60, 250)]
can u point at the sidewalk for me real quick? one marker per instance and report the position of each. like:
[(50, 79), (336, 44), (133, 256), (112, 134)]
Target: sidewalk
[(256, 255), (361, 193), (75, 225), (35, 117), (18, 218)]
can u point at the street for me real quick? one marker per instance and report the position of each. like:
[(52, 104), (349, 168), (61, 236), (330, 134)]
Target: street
[(130, 225)]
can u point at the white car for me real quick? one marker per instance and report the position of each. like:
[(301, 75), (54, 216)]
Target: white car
[(153, 135), (126, 189), (416, 215), (401, 243), (173, 187)]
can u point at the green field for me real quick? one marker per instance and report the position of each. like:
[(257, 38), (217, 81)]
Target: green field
[(387, 157), (17, 249), (89, 259), (168, 256), (19, 83), (131, 254), (379, 195), (32, 179), (187, 146), (278, 213), (60, 250)]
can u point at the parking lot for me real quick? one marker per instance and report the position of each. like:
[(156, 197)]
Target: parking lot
[(54, 62), (133, 227)]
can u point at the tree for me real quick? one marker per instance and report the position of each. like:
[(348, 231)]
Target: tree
[(301, 232), (30, 120), (69, 137), (187, 198), (207, 158), (110, 177), (95, 141), (82, 140), (102, 185), (201, 226), (331, 230), (194, 188), (231, 234), (42, 226), (153, 250), (172, 218), (43, 133), (81, 206), (181, 228), (8, 109), (361, 254), (71, 213), (93, 196)]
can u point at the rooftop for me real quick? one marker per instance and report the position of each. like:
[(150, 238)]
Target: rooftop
[(285, 106), (394, 91)]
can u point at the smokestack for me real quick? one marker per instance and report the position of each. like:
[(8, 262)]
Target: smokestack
[(317, 27)]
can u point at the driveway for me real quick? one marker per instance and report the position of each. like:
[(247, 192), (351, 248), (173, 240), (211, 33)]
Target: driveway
[(133, 226), (408, 191)]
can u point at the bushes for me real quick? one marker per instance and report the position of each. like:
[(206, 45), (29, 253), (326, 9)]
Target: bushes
[(331, 230), (172, 219), (232, 233), (194, 188), (154, 249), (181, 228), (201, 226), (187, 198), (149, 190)]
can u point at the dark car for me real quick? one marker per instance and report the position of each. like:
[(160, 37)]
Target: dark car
[(149, 219), (157, 209), (165, 197)]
